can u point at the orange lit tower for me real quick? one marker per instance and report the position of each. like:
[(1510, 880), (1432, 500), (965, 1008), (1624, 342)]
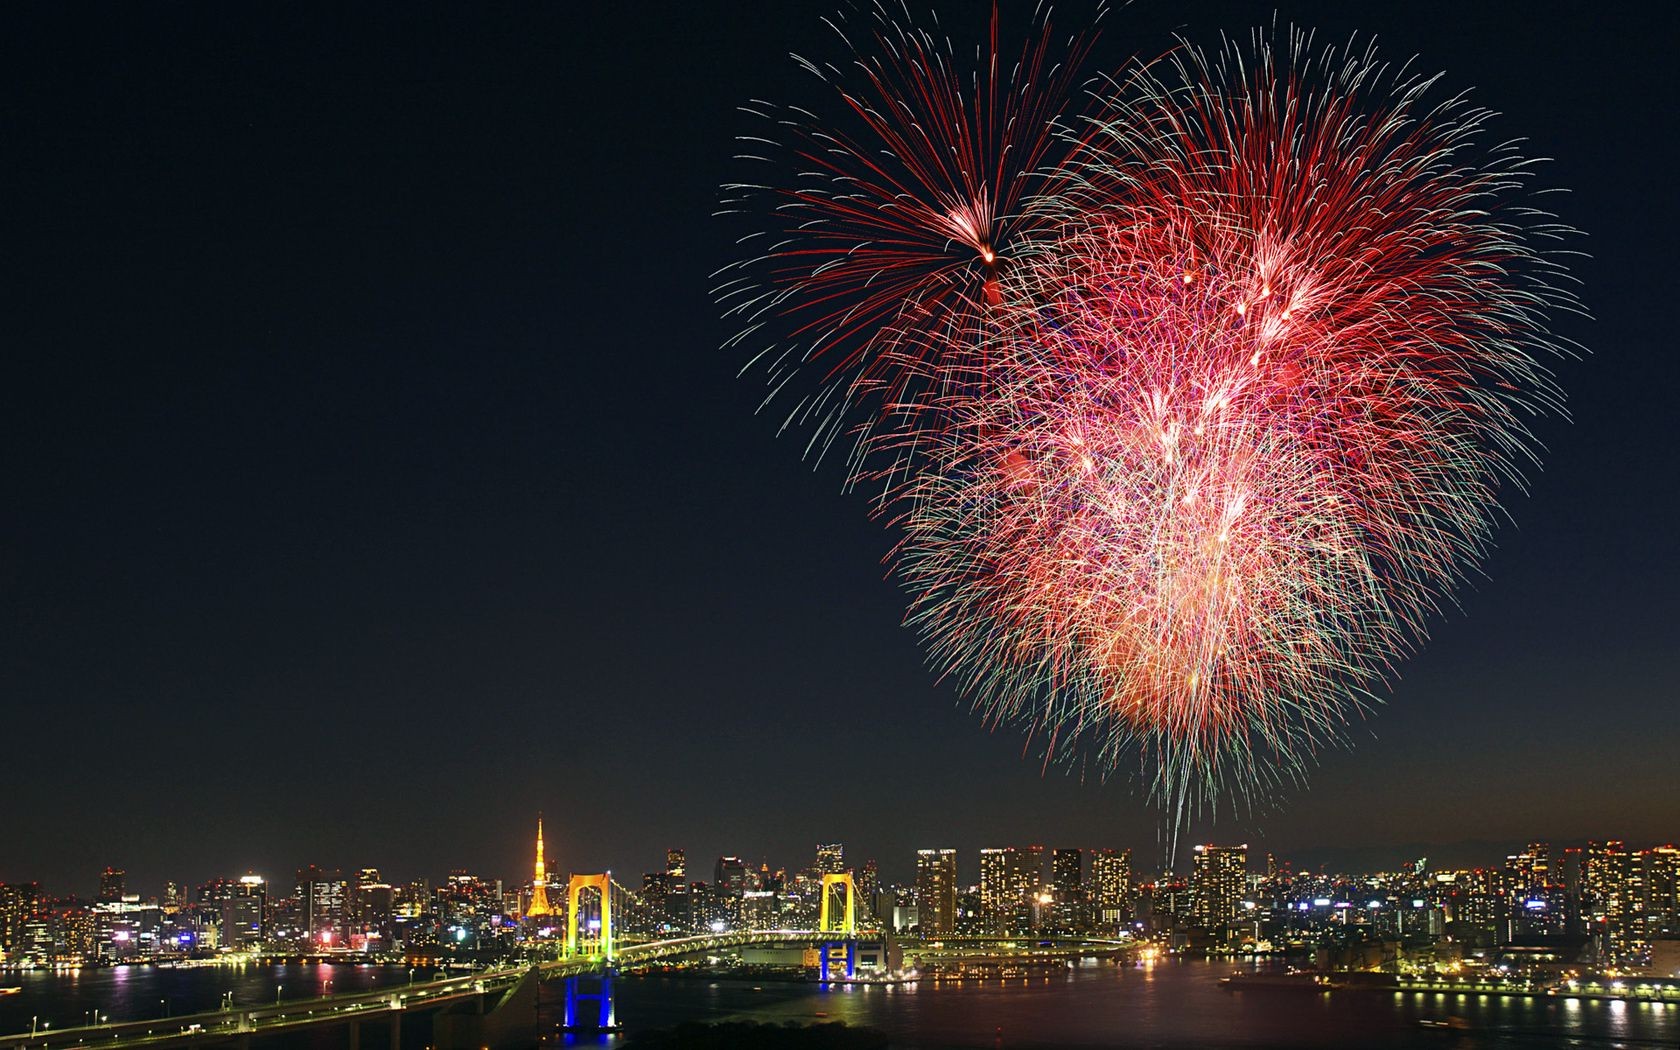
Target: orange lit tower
[(539, 882)]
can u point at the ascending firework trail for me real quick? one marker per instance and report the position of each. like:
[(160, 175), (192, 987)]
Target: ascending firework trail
[(1192, 395)]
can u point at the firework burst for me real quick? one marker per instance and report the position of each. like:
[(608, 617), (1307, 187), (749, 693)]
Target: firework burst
[(867, 301), (1246, 397)]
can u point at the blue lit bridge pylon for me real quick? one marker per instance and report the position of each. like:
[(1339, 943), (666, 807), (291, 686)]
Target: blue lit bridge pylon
[(589, 995)]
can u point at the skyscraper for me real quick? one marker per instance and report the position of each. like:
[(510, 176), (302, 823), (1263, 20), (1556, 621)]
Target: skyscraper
[(730, 876), (320, 896), (675, 864), (1111, 886), (1662, 892), (1009, 877), (936, 891), (831, 859), (1606, 901), (245, 912), (1067, 886), (868, 883), (1218, 883), (113, 884)]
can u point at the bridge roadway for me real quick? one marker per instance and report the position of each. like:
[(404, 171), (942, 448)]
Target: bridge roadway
[(243, 1025), (384, 1007)]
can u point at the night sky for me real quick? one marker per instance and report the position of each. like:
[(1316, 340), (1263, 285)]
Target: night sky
[(372, 478)]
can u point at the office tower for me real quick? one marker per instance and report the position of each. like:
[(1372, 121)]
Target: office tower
[(1067, 885), (1612, 899), (936, 891), (868, 883), (245, 917), (1009, 878), (730, 876), (113, 884), (320, 896), (1662, 892), (831, 859), (18, 904), (675, 865), (1218, 882), (374, 902)]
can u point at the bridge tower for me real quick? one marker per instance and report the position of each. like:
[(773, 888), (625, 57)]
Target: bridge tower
[(603, 884), (596, 991), (848, 925), (844, 949)]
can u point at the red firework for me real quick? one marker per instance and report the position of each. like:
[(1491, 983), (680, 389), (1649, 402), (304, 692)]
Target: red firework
[(1193, 410), (1256, 407), (871, 294)]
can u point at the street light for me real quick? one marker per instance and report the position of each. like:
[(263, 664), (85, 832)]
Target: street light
[(277, 990)]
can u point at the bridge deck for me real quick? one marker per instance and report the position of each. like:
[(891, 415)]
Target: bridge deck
[(295, 1014)]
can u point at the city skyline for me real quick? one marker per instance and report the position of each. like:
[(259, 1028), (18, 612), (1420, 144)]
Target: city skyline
[(372, 464), (1022, 865), (1546, 903)]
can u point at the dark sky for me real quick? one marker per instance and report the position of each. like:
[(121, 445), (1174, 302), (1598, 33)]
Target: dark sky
[(372, 479)]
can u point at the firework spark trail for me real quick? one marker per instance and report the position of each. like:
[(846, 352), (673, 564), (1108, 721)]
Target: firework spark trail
[(1187, 477), (868, 301)]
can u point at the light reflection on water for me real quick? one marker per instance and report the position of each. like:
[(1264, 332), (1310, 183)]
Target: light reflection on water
[(1173, 1004), (1170, 1004)]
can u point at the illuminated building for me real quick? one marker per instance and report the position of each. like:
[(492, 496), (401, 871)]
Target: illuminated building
[(729, 876), (113, 883), (729, 886), (936, 891), (1218, 882), (675, 864), (320, 898), (1662, 892), (232, 911), (1607, 899), (1111, 886), (539, 907), (868, 884), (18, 904), (1529, 871), (76, 938), (246, 920), (372, 907), (831, 859), (1067, 883), (1009, 878)]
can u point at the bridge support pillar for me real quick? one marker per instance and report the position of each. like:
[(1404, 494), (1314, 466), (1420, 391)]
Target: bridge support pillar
[(507, 1023), (396, 1030), (833, 954), (355, 1035), (589, 1006)]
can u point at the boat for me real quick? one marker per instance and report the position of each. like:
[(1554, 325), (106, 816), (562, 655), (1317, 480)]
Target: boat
[(12, 990), (1292, 980)]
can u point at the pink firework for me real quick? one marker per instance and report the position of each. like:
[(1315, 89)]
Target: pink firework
[(1253, 412), (1192, 409)]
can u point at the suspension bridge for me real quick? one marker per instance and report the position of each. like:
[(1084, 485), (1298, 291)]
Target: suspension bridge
[(491, 1008)]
